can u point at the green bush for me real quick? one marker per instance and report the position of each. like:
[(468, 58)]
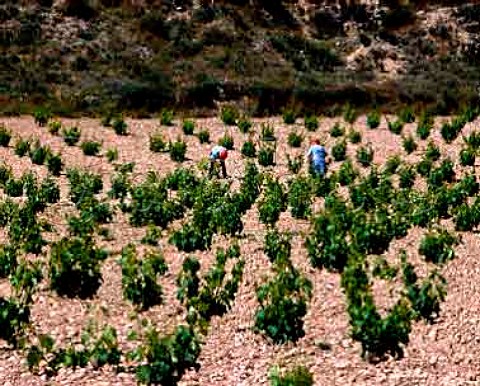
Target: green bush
[(294, 139), (467, 217), (71, 136), (354, 136), (473, 140), (396, 126), (289, 117), (14, 320), (268, 132), (91, 148), (165, 360), (229, 115), (166, 117), (311, 122), (204, 136), (248, 149), (5, 136), (112, 154), (74, 267), (157, 142), (120, 126), (244, 125), (6, 173), (444, 173), (437, 247), (152, 235), (22, 147), (150, 203), (39, 154), (283, 305), (188, 127), (83, 185), (467, 157), (432, 152), (425, 298), (337, 131), (407, 115), (349, 114), (373, 120), (299, 376), (392, 164), (49, 191), (300, 197), (226, 141), (406, 177), (294, 164), (41, 116), (266, 155), (140, 276), (450, 131), (347, 173), (14, 188), (339, 151), (383, 270), (273, 202), (54, 127), (424, 126), (217, 292), (378, 335), (365, 156), (178, 150), (409, 144), (55, 164), (8, 260)]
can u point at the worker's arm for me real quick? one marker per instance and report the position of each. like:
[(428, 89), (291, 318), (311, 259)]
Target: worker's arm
[(308, 155)]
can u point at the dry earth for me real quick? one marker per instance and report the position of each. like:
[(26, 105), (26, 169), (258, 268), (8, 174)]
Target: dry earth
[(446, 353)]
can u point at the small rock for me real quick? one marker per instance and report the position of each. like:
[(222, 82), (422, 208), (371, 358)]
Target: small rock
[(341, 364)]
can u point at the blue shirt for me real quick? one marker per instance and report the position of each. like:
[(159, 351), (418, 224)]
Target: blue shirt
[(215, 153), (318, 154)]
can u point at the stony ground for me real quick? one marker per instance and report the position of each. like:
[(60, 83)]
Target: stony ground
[(445, 353)]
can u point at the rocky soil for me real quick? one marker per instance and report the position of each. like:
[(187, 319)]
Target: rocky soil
[(445, 353)]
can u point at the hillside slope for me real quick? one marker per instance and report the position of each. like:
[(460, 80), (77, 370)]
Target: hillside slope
[(86, 56)]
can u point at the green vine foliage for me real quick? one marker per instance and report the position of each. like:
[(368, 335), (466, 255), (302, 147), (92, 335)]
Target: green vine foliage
[(277, 246), (140, 277), (283, 305), (74, 267), (151, 204), (100, 351), (379, 336), (300, 197), (214, 294), (273, 202), (167, 359), (299, 376), (327, 244), (426, 297), (437, 247)]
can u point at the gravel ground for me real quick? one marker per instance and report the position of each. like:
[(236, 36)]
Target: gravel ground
[(445, 353)]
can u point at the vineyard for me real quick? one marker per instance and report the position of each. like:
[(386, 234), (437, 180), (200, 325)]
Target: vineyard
[(122, 262)]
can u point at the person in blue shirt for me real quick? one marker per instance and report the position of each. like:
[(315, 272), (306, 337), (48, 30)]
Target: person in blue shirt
[(317, 158), (218, 153)]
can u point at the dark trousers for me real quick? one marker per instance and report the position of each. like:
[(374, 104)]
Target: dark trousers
[(222, 164)]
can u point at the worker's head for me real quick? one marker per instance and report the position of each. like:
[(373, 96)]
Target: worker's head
[(315, 141), (223, 154)]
